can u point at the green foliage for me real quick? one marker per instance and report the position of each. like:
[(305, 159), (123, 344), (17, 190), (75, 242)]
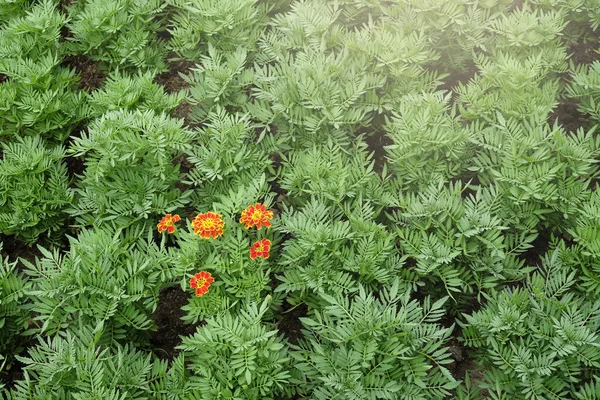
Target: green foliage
[(219, 80), (428, 140), (39, 96), (34, 189), (586, 11), (227, 152), (312, 92), (13, 313), (586, 88), (130, 174), (515, 87), (80, 365), (228, 162), (458, 239), (238, 356), (586, 232), (333, 174), (121, 33), (33, 32), (516, 78), (227, 25), (542, 172), (412, 154), (539, 341), (107, 277), (589, 391), (331, 254), (369, 347), (133, 92), (238, 279)]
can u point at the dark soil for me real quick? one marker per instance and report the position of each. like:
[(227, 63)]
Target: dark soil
[(91, 77), (376, 140), (184, 111), (290, 325), (376, 144), (12, 375), (583, 50), (456, 77), (567, 115), (516, 4), (75, 165), (64, 4), (3, 78), (167, 318), (14, 249), (9, 377), (457, 354), (540, 246), (171, 80), (475, 373)]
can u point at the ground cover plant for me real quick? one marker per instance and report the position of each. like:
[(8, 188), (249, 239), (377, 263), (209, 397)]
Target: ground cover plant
[(300, 199)]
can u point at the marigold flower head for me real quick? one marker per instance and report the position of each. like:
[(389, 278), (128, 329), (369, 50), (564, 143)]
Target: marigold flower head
[(208, 225), (167, 223), (257, 215), (201, 282), (260, 249)]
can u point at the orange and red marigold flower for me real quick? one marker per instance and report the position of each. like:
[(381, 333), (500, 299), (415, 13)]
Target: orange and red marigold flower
[(260, 249), (167, 223), (201, 282), (257, 215), (208, 225)]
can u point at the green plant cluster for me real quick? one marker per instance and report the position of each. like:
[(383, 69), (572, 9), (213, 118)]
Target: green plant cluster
[(431, 166)]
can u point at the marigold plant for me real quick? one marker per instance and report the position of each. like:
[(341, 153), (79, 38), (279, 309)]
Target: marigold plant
[(260, 249), (256, 215), (167, 223), (201, 282), (208, 225)]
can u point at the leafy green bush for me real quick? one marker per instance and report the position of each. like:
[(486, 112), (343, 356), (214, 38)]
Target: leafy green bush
[(238, 278), (586, 11), (130, 174), (428, 140), (328, 254), (518, 76), (457, 239), (586, 87), (82, 365), (13, 312), (34, 189), (238, 356), (226, 155), (334, 173), (39, 97), (542, 172), (107, 277), (220, 79), (584, 256), (227, 25), (374, 347), (539, 341), (133, 92), (121, 33)]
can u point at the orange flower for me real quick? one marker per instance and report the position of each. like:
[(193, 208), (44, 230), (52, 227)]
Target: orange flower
[(208, 225), (256, 215), (260, 249), (201, 282), (166, 223)]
